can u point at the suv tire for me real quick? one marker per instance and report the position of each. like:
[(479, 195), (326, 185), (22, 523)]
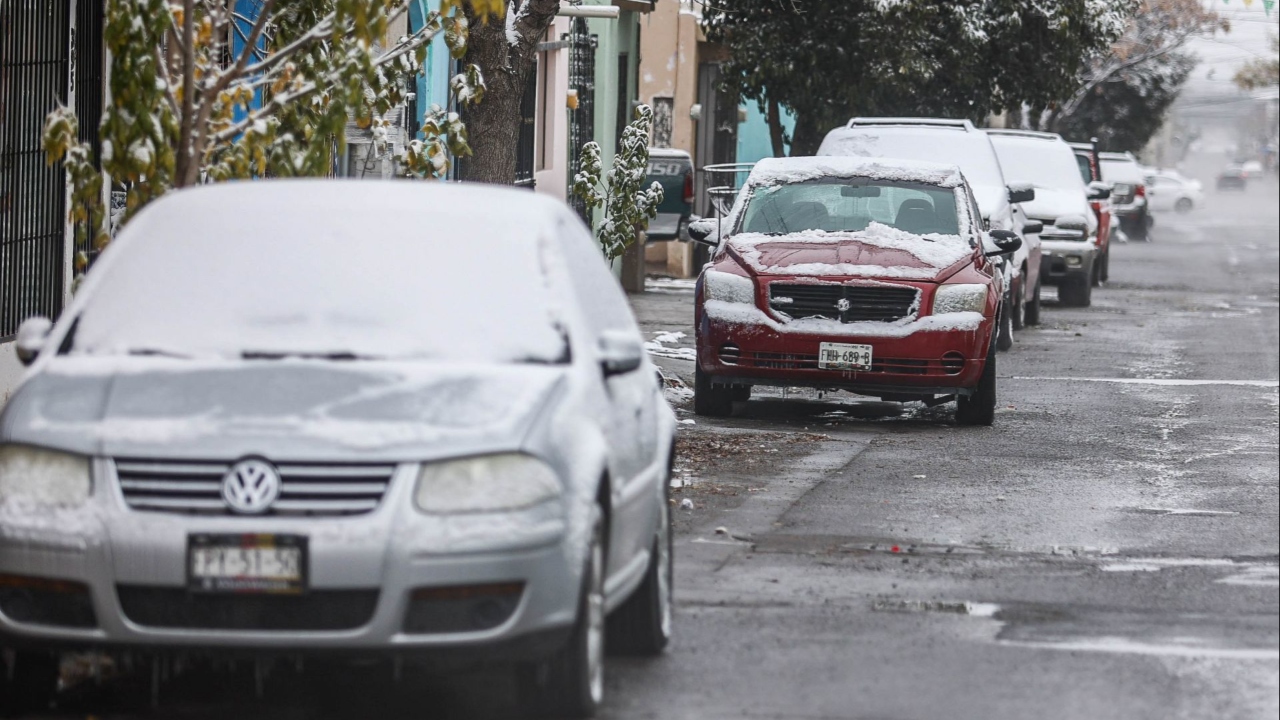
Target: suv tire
[(1020, 303), (1076, 291), (710, 400), (980, 407), (1004, 330), (1031, 314)]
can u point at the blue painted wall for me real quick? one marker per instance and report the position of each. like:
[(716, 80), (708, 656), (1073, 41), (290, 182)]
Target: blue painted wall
[(753, 135)]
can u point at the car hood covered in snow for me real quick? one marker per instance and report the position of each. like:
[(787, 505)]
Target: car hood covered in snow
[(879, 252), (283, 410)]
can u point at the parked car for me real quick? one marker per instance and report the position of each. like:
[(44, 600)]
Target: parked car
[(1232, 177), (413, 420), (959, 142), (1169, 191), (1099, 198), (673, 170), (1128, 193), (1071, 257), (1252, 168), (872, 276)]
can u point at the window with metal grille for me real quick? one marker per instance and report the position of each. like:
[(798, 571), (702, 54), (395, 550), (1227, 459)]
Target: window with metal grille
[(34, 78)]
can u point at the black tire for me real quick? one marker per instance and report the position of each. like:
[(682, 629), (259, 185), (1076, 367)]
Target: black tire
[(642, 624), (710, 400), (1004, 335), (1183, 205), (1031, 314), (570, 684), (1020, 303), (30, 685), (1105, 272), (1095, 275), (980, 407), (1076, 291)]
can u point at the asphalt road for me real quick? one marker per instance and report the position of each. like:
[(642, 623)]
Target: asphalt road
[(1108, 550)]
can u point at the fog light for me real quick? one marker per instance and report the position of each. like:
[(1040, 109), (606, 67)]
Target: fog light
[(41, 601), (952, 363), (730, 354), (461, 608), (1073, 261)]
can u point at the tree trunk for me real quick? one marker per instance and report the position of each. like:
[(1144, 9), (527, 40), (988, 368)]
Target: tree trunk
[(493, 124), (807, 136), (776, 134)]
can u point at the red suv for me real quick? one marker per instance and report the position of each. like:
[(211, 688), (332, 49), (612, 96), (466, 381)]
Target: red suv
[(872, 276)]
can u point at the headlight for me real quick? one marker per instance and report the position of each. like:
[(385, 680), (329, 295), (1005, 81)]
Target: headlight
[(728, 287), (42, 476), (485, 484), (960, 298)]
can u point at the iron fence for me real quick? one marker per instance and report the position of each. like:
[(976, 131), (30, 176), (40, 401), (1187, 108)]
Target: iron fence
[(34, 78)]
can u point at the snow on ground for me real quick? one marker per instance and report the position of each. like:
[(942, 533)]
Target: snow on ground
[(661, 339)]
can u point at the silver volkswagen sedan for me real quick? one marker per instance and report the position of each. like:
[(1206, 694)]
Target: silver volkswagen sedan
[(411, 420)]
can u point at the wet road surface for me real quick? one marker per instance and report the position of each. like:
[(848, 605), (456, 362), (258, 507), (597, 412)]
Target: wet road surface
[(1107, 550)]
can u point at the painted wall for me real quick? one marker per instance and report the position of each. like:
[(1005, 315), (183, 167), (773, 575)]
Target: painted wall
[(753, 133)]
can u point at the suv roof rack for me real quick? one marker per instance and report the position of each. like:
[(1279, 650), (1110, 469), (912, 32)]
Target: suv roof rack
[(913, 122), (1013, 132)]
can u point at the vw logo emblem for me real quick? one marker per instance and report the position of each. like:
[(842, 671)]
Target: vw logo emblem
[(251, 486), (843, 304)]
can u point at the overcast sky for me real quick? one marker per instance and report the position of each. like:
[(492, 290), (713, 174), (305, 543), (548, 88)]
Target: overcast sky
[(1221, 55)]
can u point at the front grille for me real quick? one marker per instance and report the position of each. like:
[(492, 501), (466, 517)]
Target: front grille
[(305, 489), (890, 366), (164, 607), (846, 303)]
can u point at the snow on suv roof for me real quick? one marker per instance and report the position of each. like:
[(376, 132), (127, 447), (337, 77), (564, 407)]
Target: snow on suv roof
[(915, 122), (1029, 134), (771, 171)]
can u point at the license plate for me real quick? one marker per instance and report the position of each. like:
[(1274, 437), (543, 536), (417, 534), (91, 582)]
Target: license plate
[(247, 563), (844, 356)]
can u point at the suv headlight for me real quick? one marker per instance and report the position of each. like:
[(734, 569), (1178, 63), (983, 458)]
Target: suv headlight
[(727, 287), (487, 483), (45, 477), (961, 297)]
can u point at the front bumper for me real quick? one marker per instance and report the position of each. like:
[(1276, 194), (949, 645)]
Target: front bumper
[(932, 360), (1062, 260), (363, 574)]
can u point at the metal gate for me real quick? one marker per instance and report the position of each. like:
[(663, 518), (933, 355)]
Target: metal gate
[(582, 78), (34, 77)]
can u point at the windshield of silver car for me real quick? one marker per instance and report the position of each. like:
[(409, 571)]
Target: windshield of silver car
[(850, 205), (262, 289)]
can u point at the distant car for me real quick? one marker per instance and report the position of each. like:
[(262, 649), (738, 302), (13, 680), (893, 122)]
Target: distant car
[(1167, 191), (872, 276), (1099, 198), (401, 420), (1128, 193), (958, 142), (1252, 169), (1071, 256), (673, 170), (1232, 177)]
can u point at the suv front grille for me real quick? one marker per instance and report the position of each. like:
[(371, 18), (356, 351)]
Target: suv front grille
[(846, 303), (305, 488)]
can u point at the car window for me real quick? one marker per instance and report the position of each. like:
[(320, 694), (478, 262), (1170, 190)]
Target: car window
[(843, 205), (597, 292), (1086, 168)]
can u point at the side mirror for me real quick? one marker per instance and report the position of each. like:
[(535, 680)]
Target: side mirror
[(1021, 192), (1032, 227), (1099, 190), (620, 352), (32, 334), (705, 231), (1006, 241)]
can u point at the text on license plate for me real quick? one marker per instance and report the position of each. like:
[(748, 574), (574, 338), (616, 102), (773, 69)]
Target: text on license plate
[(246, 563), (844, 356)]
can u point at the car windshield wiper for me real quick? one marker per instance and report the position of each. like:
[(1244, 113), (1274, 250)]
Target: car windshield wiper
[(338, 355)]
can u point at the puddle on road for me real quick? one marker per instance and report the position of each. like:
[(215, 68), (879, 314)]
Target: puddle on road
[(973, 609)]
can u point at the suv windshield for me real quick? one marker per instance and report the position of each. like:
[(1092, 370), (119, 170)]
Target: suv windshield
[(323, 284), (849, 205), (1044, 163), (1086, 168)]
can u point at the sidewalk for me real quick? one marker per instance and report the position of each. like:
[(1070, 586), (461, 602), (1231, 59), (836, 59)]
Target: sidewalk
[(665, 313)]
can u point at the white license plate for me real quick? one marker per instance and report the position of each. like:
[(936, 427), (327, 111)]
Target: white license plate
[(246, 563), (844, 356)]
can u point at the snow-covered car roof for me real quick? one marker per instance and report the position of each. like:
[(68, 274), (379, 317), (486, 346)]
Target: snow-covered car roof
[(773, 171)]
